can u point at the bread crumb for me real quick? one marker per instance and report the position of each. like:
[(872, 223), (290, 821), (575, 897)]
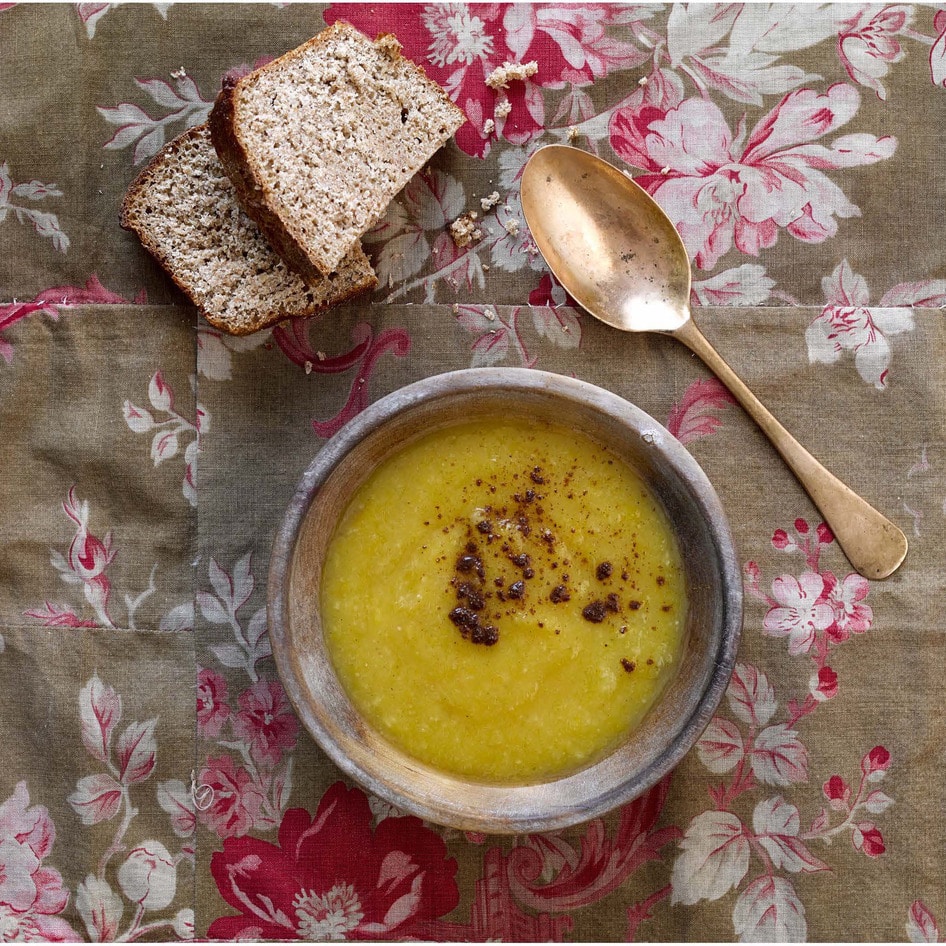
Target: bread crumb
[(502, 108), (179, 73), (388, 44), (512, 227), (489, 126), (643, 80), (665, 171), (456, 308), (508, 72), (321, 355), (573, 133), (464, 231), (487, 203), (308, 367)]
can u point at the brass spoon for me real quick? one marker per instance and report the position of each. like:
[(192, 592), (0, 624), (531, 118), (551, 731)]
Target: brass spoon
[(620, 257)]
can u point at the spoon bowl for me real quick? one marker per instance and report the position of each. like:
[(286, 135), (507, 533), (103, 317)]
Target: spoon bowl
[(616, 252)]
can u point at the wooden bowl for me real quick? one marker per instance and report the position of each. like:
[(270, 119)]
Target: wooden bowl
[(674, 723)]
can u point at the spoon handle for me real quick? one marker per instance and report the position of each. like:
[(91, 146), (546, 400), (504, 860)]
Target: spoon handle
[(873, 544)]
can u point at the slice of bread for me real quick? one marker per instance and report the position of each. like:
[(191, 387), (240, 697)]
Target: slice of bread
[(184, 209), (318, 141)]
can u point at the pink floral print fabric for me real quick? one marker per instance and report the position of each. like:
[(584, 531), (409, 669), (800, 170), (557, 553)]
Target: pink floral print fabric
[(156, 783)]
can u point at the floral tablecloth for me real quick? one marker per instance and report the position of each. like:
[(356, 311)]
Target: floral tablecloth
[(154, 781)]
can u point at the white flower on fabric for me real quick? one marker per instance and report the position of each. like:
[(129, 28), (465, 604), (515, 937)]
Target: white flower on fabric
[(184, 924), (100, 907), (328, 916), (861, 330), (800, 612), (148, 876), (849, 323), (459, 36)]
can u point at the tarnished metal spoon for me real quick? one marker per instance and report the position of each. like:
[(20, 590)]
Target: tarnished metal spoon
[(620, 257)]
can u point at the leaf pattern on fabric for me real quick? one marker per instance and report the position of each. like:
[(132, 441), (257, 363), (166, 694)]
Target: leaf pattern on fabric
[(714, 858), (769, 911), (12, 197), (180, 99), (696, 414), (53, 302)]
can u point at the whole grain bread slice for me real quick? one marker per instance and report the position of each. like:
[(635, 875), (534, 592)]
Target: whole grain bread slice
[(183, 207), (320, 140)]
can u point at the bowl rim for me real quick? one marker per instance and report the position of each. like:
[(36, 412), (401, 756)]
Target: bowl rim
[(586, 395)]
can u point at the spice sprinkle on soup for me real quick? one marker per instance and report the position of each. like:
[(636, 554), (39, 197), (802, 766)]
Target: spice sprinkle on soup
[(504, 600)]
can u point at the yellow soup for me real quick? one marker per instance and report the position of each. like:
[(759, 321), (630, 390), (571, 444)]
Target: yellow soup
[(504, 600)]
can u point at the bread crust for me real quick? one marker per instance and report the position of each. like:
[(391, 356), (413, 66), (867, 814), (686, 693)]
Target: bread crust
[(239, 164), (130, 219)]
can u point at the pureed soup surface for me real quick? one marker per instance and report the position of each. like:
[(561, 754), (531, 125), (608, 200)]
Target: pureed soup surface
[(504, 600)]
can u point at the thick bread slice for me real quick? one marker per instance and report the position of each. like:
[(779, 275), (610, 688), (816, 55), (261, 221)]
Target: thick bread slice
[(184, 209), (318, 141)]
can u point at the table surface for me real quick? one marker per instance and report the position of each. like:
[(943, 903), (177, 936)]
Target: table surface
[(154, 781)]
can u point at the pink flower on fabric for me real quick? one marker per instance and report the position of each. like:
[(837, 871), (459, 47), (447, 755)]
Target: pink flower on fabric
[(868, 47), (849, 323), (801, 611), (266, 721), (236, 799), (824, 684), (31, 895), (875, 761), (212, 708), (722, 189), (851, 615), (331, 876), (88, 556), (459, 45), (867, 839), (837, 792)]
